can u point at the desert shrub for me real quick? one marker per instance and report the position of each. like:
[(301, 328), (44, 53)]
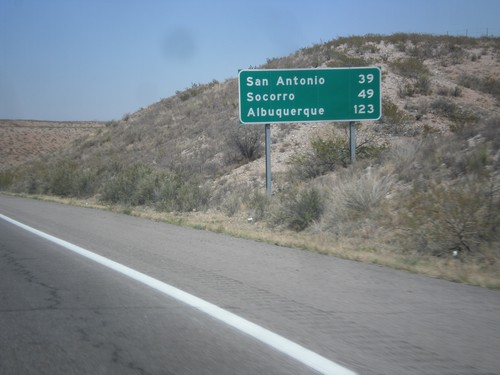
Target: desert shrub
[(423, 85), (325, 154), (450, 51), (298, 209), (180, 192), (444, 107), (454, 200), (363, 192), (395, 121), (356, 41), (259, 205), (344, 60), (463, 217), (488, 85), (195, 90), (26, 179), (122, 186), (140, 184), (112, 124), (246, 199), (231, 205), (246, 142), (416, 74), (460, 118), (419, 86), (62, 178), (447, 91), (485, 130), (330, 152), (414, 160), (473, 161), (69, 179), (6, 179), (422, 49), (147, 187), (406, 89), (410, 68), (392, 114), (490, 130), (355, 198), (85, 182), (424, 46)]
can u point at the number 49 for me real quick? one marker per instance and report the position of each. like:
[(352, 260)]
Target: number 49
[(366, 94)]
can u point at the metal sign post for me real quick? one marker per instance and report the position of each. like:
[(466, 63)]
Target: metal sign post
[(352, 141), (268, 159)]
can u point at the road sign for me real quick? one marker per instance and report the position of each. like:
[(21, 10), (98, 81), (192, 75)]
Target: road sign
[(309, 95)]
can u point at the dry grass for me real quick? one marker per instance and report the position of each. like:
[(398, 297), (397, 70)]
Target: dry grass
[(355, 248)]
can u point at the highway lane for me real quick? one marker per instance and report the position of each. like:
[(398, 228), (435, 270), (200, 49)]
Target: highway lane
[(370, 319), (63, 314)]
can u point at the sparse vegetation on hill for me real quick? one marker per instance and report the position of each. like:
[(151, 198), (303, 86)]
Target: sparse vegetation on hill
[(424, 194)]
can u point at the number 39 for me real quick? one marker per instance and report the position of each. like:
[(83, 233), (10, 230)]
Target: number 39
[(365, 78)]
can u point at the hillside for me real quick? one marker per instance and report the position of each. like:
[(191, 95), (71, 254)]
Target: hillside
[(23, 140), (425, 190)]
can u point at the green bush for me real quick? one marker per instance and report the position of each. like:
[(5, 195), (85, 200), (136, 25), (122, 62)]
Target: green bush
[(122, 186), (6, 179), (299, 209), (61, 180), (396, 121), (180, 192), (330, 152), (139, 184), (326, 154)]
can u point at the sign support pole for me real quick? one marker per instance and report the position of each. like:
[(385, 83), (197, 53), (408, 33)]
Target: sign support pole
[(268, 159), (352, 140)]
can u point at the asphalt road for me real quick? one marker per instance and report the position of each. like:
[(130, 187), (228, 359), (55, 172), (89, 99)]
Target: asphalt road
[(61, 313)]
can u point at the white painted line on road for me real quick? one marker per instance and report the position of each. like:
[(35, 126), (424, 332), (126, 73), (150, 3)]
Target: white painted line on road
[(290, 348)]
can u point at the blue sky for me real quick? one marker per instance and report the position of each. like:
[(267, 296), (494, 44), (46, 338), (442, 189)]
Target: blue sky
[(99, 59)]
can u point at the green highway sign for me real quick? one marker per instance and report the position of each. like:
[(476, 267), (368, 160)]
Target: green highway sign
[(309, 95)]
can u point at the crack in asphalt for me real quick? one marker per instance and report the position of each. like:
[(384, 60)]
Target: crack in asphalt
[(53, 298)]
